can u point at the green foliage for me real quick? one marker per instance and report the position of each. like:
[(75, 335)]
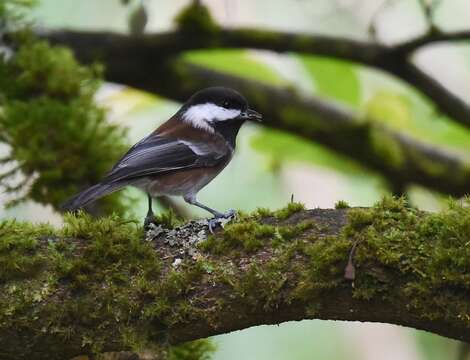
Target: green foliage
[(13, 12), (59, 138), (194, 350), (407, 111), (390, 108), (386, 147), (341, 204), (334, 79), (236, 62), (196, 18)]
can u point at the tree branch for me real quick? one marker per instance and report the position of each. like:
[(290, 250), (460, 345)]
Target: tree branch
[(393, 60), (432, 38), (173, 43), (399, 158), (95, 286)]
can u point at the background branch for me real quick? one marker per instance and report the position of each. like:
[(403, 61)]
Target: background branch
[(399, 158), (432, 38), (159, 47)]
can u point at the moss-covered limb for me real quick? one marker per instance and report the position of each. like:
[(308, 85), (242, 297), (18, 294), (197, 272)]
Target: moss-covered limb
[(396, 61), (97, 285)]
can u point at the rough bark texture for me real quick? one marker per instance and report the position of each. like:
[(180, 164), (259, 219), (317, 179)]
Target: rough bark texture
[(97, 286)]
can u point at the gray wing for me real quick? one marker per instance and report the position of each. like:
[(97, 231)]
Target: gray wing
[(156, 155)]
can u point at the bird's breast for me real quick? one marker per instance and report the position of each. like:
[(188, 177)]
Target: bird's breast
[(183, 182)]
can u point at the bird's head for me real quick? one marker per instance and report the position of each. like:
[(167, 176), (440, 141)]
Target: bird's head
[(214, 108)]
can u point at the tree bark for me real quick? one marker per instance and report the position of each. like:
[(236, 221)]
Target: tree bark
[(97, 286)]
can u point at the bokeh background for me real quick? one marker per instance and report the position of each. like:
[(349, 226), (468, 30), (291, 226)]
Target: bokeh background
[(270, 166)]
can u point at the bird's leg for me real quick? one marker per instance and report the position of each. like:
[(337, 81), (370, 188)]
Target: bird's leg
[(150, 217), (215, 221)]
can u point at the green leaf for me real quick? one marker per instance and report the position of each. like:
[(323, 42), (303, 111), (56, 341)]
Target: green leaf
[(334, 79), (286, 147), (236, 62)]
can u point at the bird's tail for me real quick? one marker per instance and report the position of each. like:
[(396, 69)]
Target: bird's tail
[(89, 195)]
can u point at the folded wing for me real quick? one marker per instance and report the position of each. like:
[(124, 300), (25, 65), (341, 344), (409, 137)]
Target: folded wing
[(157, 154)]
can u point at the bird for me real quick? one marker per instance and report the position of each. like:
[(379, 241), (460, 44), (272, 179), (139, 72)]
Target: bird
[(182, 155)]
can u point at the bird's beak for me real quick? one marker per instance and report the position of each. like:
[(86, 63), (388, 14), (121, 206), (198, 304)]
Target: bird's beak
[(251, 115)]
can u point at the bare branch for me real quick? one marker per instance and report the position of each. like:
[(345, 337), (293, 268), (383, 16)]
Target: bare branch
[(431, 38)]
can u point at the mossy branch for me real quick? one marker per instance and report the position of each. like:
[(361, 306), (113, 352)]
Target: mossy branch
[(98, 285)]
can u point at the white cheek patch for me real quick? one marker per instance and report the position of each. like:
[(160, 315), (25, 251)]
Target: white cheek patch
[(200, 116)]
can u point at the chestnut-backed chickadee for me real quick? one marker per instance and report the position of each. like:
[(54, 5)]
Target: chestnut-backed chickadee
[(183, 155)]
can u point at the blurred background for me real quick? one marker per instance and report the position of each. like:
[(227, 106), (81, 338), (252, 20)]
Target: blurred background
[(271, 165)]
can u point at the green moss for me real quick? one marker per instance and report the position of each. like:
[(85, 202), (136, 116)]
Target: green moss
[(196, 18), (323, 270), (430, 252), (121, 289), (47, 94), (290, 232), (248, 236), (341, 204), (289, 210), (263, 213), (168, 219), (19, 256), (260, 284)]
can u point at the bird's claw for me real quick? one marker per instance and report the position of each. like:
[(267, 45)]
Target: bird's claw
[(220, 220)]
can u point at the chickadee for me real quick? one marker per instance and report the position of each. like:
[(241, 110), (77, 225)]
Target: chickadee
[(183, 155)]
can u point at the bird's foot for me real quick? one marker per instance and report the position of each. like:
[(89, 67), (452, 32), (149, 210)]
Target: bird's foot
[(221, 220)]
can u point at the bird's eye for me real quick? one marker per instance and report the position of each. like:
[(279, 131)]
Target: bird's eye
[(225, 104)]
